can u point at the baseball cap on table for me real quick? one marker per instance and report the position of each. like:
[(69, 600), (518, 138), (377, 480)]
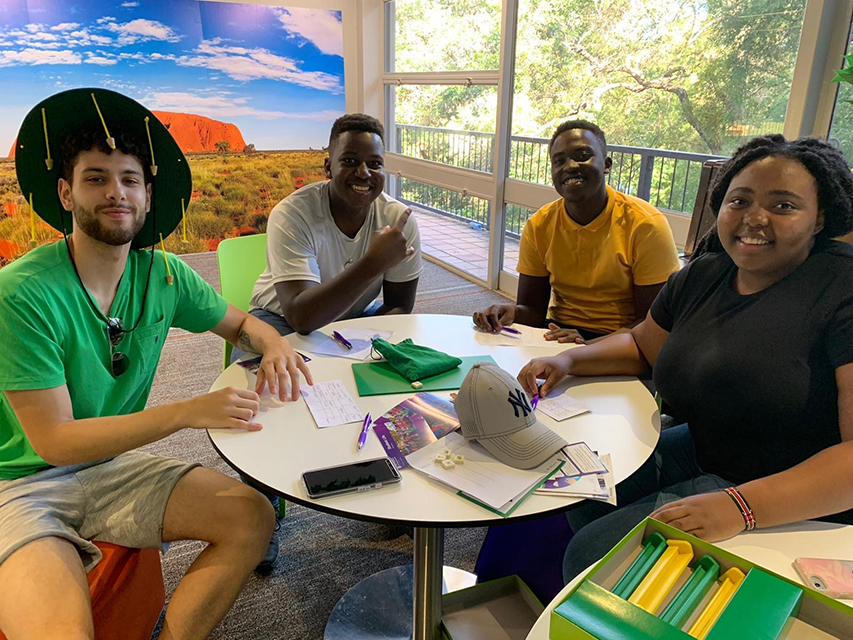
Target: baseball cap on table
[(495, 411)]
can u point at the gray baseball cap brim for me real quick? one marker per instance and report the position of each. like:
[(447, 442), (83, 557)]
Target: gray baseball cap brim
[(526, 448)]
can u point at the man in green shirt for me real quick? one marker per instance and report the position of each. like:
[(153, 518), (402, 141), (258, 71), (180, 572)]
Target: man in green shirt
[(82, 325)]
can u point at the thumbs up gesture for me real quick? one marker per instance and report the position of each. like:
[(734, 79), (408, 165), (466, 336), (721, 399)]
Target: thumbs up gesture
[(388, 245)]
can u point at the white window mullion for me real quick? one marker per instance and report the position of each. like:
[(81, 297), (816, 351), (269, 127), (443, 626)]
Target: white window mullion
[(503, 139), (823, 43)]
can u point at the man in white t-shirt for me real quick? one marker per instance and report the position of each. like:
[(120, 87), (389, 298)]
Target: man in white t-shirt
[(333, 246)]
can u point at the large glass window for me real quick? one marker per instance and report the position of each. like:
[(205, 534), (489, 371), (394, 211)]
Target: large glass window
[(452, 124), (446, 35), (516, 217), (453, 226)]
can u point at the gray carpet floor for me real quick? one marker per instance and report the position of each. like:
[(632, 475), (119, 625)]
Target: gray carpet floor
[(321, 555)]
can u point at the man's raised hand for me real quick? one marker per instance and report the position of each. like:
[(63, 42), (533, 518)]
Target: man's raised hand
[(388, 245)]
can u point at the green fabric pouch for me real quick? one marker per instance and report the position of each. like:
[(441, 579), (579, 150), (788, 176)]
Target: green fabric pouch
[(413, 361)]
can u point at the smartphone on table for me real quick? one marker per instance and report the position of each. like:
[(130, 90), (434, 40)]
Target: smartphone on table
[(831, 577), (356, 476)]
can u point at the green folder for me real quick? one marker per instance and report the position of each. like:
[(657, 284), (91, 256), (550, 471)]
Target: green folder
[(380, 378)]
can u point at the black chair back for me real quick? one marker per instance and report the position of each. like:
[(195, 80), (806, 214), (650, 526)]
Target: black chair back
[(703, 218)]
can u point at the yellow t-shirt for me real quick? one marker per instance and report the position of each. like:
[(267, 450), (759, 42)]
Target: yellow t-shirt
[(593, 268)]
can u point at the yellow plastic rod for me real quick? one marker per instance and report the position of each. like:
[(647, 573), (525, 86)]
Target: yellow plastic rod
[(662, 577), (729, 582)]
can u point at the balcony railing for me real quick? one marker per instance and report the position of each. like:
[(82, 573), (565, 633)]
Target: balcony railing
[(667, 179)]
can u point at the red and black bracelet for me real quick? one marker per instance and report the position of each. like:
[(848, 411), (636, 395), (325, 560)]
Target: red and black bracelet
[(743, 507)]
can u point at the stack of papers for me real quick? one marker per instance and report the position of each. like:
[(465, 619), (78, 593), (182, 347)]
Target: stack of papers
[(594, 486), (482, 478), (360, 339)]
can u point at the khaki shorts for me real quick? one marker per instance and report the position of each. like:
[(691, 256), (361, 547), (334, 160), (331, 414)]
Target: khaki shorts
[(121, 500)]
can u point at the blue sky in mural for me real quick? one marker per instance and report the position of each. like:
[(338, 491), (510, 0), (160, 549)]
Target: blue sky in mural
[(275, 72)]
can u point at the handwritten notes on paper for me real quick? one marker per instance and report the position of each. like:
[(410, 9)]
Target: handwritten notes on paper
[(561, 407), (331, 404)]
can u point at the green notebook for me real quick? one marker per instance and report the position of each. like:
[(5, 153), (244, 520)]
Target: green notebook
[(380, 378)]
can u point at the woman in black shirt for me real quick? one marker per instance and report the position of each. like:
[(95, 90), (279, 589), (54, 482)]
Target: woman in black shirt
[(752, 344)]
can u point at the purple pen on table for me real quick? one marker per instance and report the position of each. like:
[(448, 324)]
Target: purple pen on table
[(534, 401), (511, 330), (343, 341), (365, 429)]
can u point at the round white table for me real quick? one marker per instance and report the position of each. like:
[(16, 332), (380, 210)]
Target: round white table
[(774, 548), (624, 422)]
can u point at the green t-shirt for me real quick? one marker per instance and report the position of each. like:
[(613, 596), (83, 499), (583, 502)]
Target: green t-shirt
[(51, 336)]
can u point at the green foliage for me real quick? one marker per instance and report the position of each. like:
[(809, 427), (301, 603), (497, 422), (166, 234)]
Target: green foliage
[(447, 35), (208, 224)]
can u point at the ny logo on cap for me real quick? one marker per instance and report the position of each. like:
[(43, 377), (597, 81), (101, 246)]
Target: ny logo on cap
[(519, 401)]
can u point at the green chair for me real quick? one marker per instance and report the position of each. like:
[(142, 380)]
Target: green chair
[(241, 261)]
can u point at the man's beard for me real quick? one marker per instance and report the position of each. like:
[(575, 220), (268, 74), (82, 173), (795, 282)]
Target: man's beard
[(90, 224)]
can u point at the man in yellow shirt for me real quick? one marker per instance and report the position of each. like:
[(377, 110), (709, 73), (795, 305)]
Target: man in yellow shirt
[(604, 254)]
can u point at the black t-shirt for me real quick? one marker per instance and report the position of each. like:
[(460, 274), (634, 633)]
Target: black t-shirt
[(754, 375)]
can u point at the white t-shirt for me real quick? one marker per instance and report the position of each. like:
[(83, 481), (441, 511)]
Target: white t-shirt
[(304, 243)]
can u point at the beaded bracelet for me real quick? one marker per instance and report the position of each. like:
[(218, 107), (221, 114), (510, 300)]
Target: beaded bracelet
[(743, 507)]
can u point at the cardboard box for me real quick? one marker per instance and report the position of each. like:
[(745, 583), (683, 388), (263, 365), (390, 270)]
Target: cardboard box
[(503, 609), (792, 611)]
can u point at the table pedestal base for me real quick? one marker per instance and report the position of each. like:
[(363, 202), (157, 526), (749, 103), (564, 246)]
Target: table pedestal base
[(380, 606)]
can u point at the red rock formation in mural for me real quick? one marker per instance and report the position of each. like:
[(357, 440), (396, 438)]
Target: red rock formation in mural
[(198, 133), (195, 133)]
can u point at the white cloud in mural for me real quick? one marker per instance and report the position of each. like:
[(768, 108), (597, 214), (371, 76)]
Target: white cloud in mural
[(253, 64), (140, 30), (65, 26), (100, 59), (38, 57), (139, 57), (224, 105), (34, 36), (39, 45), (129, 5), (105, 20), (82, 38), (321, 28)]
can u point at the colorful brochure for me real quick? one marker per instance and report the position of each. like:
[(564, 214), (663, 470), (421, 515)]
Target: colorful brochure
[(413, 424)]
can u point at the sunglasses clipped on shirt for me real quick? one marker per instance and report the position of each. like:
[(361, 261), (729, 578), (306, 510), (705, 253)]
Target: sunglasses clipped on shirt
[(118, 360)]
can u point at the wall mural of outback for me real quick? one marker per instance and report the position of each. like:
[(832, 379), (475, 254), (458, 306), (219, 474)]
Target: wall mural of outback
[(249, 92)]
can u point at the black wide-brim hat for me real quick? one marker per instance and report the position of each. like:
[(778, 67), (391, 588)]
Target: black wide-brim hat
[(38, 166)]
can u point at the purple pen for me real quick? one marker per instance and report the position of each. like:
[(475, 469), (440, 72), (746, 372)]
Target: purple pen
[(511, 330), (365, 429), (534, 401), (337, 336)]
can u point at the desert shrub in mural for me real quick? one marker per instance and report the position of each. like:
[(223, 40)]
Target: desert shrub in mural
[(232, 196)]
